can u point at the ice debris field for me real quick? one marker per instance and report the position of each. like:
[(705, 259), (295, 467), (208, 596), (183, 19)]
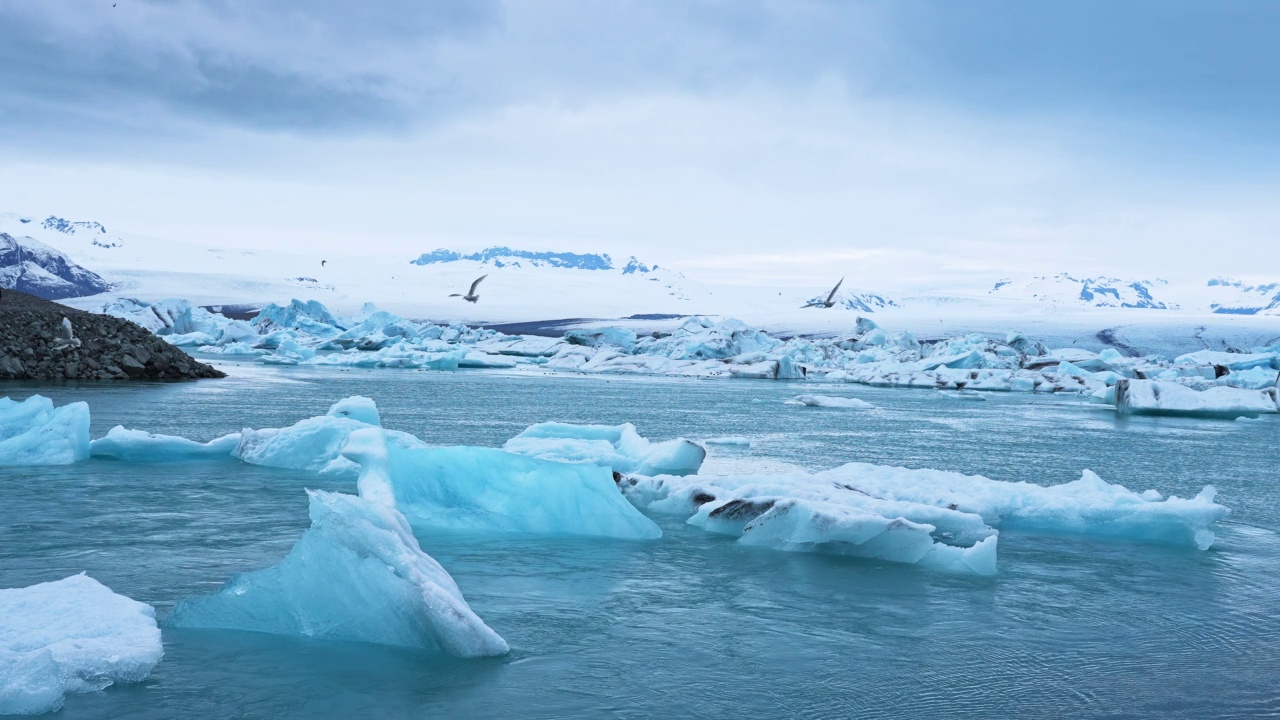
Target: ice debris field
[(359, 573), (1204, 383)]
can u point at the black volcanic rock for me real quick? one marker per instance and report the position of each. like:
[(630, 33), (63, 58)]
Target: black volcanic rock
[(109, 349), (30, 266)]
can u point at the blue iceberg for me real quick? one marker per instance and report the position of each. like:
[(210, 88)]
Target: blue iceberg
[(618, 447), (473, 489), (33, 432), (357, 574)]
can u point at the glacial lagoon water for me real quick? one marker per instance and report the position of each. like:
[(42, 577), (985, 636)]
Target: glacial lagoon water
[(692, 625)]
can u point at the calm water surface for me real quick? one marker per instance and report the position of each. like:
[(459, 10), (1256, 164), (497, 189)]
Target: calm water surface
[(691, 625)]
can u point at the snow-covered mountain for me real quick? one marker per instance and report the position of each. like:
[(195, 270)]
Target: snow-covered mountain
[(59, 231), (507, 257), (854, 299), (540, 283), (1099, 292), (28, 265), (1233, 297)]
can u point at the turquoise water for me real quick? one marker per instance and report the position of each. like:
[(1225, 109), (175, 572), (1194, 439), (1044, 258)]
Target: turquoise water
[(692, 624)]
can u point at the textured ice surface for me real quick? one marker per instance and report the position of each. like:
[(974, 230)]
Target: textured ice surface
[(932, 517), (733, 440), (316, 443), (122, 443), (357, 574), (830, 401), (70, 636), (1155, 397), (485, 490), (34, 432), (618, 447)]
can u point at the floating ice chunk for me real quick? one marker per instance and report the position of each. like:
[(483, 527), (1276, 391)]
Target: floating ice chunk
[(70, 636), (801, 512), (1255, 378), (358, 408), (1231, 361), (316, 443), (1088, 506), (618, 447), (830, 401), (477, 359), (141, 446), (475, 489), (845, 511), (33, 432), (733, 440), (357, 574), (972, 395), (1156, 397)]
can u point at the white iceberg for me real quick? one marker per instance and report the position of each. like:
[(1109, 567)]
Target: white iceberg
[(830, 401), (357, 574), (618, 447), (70, 636), (731, 440), (121, 443), (1156, 397), (472, 489), (316, 443), (930, 517), (33, 432)]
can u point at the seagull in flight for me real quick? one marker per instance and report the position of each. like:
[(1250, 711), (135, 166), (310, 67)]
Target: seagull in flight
[(67, 339), (471, 295), (831, 299)]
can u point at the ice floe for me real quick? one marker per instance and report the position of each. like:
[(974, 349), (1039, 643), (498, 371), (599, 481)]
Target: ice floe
[(617, 447), (70, 636), (929, 517), (316, 443), (308, 333), (34, 432), (1154, 397), (357, 574), (830, 401), (474, 489), (121, 443)]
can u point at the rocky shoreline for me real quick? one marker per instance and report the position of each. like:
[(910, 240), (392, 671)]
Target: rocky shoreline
[(33, 347)]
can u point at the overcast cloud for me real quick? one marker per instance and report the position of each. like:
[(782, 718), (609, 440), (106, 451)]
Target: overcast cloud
[(910, 142)]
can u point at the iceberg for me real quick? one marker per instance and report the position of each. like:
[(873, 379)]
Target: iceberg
[(472, 489), (732, 441), (929, 517), (71, 636), (316, 443), (121, 443), (357, 574), (618, 447), (33, 432), (1156, 397), (830, 401)]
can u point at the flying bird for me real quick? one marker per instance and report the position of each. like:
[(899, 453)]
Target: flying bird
[(322, 262), (471, 295), (68, 339), (831, 299)]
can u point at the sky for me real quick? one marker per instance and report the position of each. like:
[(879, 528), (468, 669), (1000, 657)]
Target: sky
[(905, 143)]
